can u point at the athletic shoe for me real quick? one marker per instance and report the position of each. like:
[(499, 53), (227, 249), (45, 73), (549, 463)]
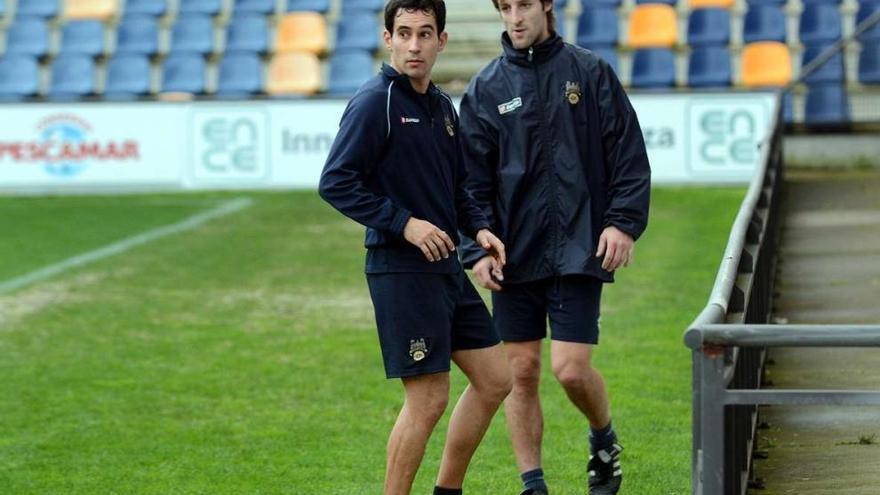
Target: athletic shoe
[(604, 471), (532, 491)]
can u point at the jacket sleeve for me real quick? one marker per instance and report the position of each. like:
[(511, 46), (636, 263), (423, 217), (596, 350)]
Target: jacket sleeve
[(626, 158), (355, 153), (480, 157)]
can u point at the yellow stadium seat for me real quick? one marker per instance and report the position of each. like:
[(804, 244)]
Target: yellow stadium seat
[(297, 73), (91, 9), (705, 4), (653, 25), (766, 64), (302, 32)]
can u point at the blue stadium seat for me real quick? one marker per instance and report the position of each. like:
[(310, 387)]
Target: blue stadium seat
[(358, 31), (19, 77), (28, 36), (2, 9), (204, 7), (146, 7), (709, 67), (241, 74), (37, 8), (827, 104), (183, 73), (137, 34), (827, 2), (350, 6), (764, 23), (608, 54), (866, 9), (777, 3), (320, 6), (264, 7), (349, 70), (653, 68), (193, 33), (667, 2), (869, 63), (597, 26), (128, 76), (247, 33), (83, 37), (602, 3), (820, 23), (829, 72), (73, 76), (709, 27)]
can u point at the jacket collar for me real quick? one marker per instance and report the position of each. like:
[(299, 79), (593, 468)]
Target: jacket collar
[(402, 80), (541, 52)]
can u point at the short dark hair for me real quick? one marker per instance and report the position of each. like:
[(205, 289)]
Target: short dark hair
[(436, 7), (551, 17)]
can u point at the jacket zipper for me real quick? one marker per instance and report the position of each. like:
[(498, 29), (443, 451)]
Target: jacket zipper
[(551, 171)]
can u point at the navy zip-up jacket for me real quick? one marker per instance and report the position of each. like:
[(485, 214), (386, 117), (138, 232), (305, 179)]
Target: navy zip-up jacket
[(398, 155), (554, 154)]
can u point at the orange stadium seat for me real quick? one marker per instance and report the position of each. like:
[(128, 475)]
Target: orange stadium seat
[(653, 25), (91, 9), (302, 32), (297, 73), (766, 64), (717, 4)]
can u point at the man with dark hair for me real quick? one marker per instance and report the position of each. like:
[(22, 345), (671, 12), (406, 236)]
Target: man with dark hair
[(396, 167), (557, 161)]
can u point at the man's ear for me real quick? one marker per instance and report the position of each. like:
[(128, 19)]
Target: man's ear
[(444, 38)]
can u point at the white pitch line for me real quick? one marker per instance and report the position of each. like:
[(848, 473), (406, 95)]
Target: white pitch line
[(189, 223)]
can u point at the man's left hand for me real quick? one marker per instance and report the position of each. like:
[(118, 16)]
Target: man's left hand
[(617, 248), (492, 245)]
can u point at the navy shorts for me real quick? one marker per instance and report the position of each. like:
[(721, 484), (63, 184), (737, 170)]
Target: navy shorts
[(571, 302), (423, 318)]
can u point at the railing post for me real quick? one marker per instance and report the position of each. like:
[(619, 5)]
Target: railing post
[(712, 365)]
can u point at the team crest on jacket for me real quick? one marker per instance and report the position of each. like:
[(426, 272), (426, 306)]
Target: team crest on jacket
[(449, 127), (572, 92), (418, 349)]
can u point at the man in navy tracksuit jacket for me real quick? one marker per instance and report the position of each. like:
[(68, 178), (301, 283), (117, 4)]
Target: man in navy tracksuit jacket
[(557, 161), (396, 167)]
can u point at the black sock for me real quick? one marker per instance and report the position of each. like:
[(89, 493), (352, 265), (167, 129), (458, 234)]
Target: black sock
[(602, 438), (534, 479), (446, 491)]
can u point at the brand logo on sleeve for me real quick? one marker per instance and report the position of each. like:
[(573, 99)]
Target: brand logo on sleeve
[(409, 120), (510, 106)]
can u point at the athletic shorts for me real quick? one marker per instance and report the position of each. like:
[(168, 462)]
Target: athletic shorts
[(571, 302), (423, 318)]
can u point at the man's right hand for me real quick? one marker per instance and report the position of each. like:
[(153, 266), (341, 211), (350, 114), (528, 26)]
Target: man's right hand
[(488, 273), (434, 243)]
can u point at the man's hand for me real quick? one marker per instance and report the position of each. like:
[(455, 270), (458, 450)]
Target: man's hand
[(488, 270), (617, 247), (434, 243), (492, 245)]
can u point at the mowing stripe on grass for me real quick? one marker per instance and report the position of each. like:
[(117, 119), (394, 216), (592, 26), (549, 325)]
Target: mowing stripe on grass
[(189, 223)]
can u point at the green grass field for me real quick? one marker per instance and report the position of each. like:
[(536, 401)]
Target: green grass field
[(241, 357)]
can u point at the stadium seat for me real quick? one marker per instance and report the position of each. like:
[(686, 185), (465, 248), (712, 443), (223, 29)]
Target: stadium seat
[(820, 23), (869, 64), (827, 104), (90, 9), (28, 36), (710, 26), (603, 3), (37, 8), (73, 76), (128, 76), (193, 33), (349, 70), (776, 3), (653, 25), (653, 68), (137, 34), (302, 32), (359, 31), (19, 77), (247, 33), (764, 23), (319, 6), (204, 7), (711, 4), (866, 9), (766, 64), (146, 7), (829, 72), (709, 66), (183, 73), (667, 2), (2, 10), (83, 37), (241, 74), (597, 26), (607, 54), (351, 6), (265, 7), (297, 73), (829, 2)]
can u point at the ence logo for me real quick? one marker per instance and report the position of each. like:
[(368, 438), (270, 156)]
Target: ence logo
[(726, 139), (64, 147), (230, 145)]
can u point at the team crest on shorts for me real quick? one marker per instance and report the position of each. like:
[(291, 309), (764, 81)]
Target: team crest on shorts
[(449, 127), (418, 349), (572, 92)]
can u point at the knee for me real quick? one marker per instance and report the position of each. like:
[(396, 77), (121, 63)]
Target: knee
[(498, 388), (571, 375), (525, 371), (433, 408)]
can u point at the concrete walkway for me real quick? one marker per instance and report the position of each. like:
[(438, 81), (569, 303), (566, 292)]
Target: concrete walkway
[(829, 272)]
